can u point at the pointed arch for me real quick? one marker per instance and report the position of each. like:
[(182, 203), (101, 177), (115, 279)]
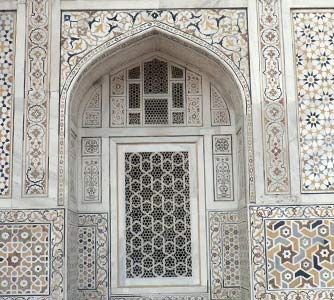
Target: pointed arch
[(94, 62)]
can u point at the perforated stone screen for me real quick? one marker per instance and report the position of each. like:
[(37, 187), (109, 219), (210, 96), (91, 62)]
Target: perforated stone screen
[(158, 221)]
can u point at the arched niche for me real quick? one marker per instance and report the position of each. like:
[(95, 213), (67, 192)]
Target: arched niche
[(93, 84), (158, 42), (223, 72)]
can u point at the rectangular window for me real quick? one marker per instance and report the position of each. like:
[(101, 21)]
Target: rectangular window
[(160, 194)]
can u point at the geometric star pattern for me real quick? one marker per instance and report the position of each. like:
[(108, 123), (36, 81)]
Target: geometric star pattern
[(292, 251), (314, 50), (24, 259), (300, 254), (32, 260)]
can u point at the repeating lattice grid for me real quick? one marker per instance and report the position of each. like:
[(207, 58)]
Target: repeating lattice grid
[(158, 218), (86, 263), (155, 77), (177, 94), (156, 111), (134, 97), (172, 90)]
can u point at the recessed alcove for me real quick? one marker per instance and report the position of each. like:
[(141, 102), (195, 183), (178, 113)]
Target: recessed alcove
[(156, 139)]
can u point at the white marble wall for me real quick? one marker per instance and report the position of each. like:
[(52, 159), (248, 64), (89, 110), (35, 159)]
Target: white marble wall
[(295, 196), (18, 201)]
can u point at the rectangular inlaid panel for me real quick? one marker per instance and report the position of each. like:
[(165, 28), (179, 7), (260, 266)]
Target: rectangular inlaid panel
[(93, 256), (91, 169), (158, 227), (91, 174), (224, 255), (300, 254), (231, 255), (7, 55), (223, 167), (292, 252), (117, 111), (87, 256), (36, 126), (314, 50), (72, 254), (24, 259), (32, 259), (274, 116)]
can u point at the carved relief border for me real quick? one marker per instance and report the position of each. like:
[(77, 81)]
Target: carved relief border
[(163, 297), (7, 53), (72, 219), (36, 124), (275, 136)]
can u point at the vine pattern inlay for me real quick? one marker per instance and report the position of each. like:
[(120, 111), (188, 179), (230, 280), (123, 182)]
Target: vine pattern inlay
[(36, 127), (276, 152)]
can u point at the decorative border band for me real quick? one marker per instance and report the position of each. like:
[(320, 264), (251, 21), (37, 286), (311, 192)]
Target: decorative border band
[(36, 124)]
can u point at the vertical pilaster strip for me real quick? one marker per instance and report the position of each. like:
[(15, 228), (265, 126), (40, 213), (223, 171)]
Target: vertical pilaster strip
[(7, 55), (275, 129), (36, 125)]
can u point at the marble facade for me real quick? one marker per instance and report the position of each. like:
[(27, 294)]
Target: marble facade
[(210, 180)]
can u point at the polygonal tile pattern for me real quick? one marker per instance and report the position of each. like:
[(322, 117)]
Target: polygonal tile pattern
[(314, 50), (292, 252), (32, 254), (24, 259)]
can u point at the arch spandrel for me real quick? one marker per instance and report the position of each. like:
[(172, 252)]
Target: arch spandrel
[(95, 63), (224, 29)]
